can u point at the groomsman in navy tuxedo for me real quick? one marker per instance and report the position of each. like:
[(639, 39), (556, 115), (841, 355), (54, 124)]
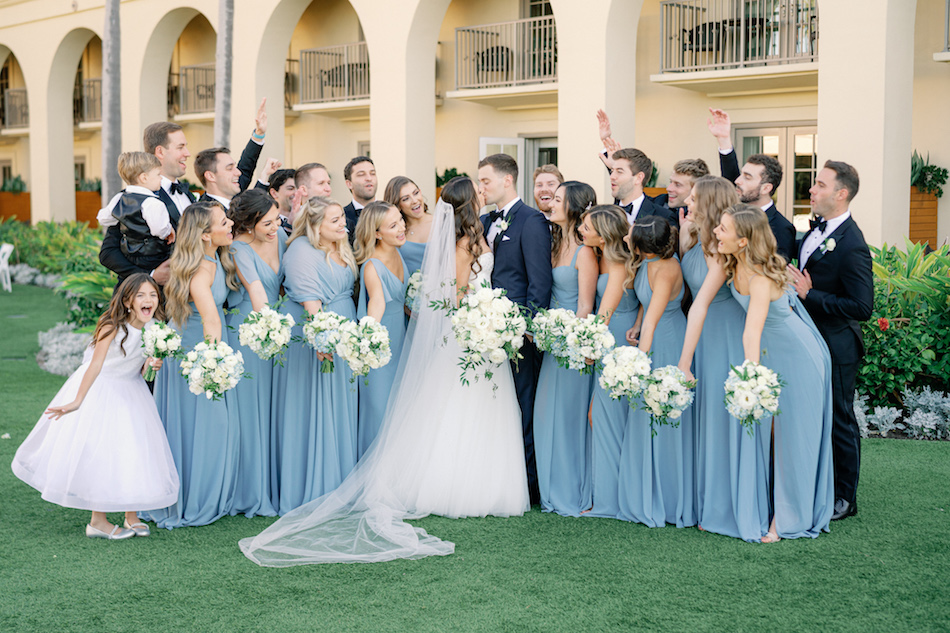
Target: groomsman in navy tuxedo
[(756, 182), (836, 285), (521, 241), (360, 177), (630, 169), (281, 187)]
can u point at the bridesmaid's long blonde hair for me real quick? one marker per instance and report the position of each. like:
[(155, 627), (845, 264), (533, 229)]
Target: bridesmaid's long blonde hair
[(307, 224), (760, 253), (713, 196), (187, 257), (371, 218)]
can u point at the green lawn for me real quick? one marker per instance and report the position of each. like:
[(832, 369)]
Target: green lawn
[(886, 569)]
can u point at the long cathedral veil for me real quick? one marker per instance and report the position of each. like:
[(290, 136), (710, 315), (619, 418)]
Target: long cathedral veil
[(364, 519)]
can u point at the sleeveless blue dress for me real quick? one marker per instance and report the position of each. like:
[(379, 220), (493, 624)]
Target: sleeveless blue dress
[(609, 417), (562, 442), (412, 253), (253, 413), (656, 472), (374, 389), (315, 434), (732, 467), (203, 437), (803, 480)]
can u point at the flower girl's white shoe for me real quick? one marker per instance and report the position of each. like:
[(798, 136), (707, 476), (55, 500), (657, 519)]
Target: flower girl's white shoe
[(116, 534)]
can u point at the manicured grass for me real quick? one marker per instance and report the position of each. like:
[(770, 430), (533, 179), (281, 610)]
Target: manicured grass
[(886, 569)]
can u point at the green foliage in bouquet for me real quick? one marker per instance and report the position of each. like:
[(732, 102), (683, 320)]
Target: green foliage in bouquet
[(907, 339)]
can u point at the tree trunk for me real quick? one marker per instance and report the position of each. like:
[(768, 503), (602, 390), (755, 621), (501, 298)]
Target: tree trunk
[(111, 100), (223, 61)]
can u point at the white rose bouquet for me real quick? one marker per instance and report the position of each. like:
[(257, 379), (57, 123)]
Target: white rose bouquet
[(490, 330), (212, 368), (159, 340), (666, 395), (550, 329), (413, 288), (752, 391), (323, 333), (364, 345), (588, 338), (624, 373), (267, 333)]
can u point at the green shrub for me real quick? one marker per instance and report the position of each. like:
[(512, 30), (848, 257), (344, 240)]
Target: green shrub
[(89, 185), (89, 293), (52, 247), (13, 185), (907, 339)]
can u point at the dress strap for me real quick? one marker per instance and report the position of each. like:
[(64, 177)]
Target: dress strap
[(576, 253), (211, 259)]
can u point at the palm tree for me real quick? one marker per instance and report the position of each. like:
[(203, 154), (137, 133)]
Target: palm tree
[(111, 100), (223, 61)]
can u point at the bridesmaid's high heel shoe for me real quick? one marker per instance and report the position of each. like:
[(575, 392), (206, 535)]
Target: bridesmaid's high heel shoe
[(140, 529), (117, 533)]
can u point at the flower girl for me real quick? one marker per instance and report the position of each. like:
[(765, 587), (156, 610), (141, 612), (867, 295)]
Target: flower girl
[(100, 445)]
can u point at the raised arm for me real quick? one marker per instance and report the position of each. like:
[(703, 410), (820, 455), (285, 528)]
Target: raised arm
[(720, 126)]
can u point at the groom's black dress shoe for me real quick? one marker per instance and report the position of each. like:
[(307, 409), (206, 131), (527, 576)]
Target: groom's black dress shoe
[(844, 509)]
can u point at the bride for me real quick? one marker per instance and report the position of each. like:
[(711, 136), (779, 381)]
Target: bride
[(444, 448)]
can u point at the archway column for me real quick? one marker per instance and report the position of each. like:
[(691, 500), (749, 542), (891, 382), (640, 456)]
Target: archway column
[(865, 90)]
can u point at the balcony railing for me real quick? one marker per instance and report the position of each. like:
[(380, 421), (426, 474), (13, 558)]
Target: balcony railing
[(506, 54), (16, 111), (87, 102), (196, 88), (724, 34), (334, 73)]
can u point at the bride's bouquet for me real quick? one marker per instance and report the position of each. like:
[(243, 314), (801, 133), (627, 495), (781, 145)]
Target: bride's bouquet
[(413, 288), (625, 371), (212, 368), (323, 333), (489, 328), (267, 333), (159, 340), (752, 391), (550, 329), (588, 338), (666, 395), (364, 345)]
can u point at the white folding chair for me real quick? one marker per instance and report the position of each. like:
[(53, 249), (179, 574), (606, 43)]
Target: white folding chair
[(5, 251)]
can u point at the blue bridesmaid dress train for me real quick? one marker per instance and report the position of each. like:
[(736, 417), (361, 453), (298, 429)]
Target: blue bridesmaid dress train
[(656, 471), (732, 467), (254, 397), (609, 417), (315, 413), (562, 437), (374, 389), (203, 437)]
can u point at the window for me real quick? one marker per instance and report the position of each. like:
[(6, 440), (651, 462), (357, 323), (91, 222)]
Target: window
[(536, 8), (79, 169), (362, 149)]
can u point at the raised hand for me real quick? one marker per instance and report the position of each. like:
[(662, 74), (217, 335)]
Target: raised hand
[(299, 196), (261, 119), (271, 166), (720, 126), (603, 123)]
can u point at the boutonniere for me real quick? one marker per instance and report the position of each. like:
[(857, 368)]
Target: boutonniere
[(828, 245), (503, 225)]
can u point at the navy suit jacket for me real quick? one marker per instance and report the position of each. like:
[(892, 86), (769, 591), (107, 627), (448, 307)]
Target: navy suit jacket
[(782, 229), (523, 258), (842, 293)]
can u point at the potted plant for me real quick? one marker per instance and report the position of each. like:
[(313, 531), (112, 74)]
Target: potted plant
[(649, 187), (446, 176), (926, 182), (88, 200), (14, 199)]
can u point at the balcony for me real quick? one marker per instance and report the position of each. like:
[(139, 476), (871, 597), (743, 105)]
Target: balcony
[(335, 79), (196, 91), (728, 47), (87, 104), (944, 55), (16, 111), (507, 64)]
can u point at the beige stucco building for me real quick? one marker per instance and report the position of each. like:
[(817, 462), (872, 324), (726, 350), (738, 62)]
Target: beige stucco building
[(864, 81)]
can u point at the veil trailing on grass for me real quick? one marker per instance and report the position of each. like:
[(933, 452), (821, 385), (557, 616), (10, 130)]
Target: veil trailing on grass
[(364, 519)]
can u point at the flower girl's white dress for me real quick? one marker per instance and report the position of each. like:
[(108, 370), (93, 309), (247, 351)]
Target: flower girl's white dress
[(110, 455)]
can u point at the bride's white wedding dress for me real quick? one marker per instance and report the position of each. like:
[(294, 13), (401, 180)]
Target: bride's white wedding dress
[(444, 448)]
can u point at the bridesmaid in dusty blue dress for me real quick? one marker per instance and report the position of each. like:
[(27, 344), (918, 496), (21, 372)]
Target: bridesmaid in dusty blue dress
[(604, 229), (562, 441), (732, 496), (380, 233), (779, 334), (316, 412), (203, 438), (257, 249), (656, 471), (403, 194)]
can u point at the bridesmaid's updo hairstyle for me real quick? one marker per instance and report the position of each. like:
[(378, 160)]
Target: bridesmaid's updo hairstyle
[(578, 198), (651, 235), (371, 218), (761, 253), (460, 192), (189, 252), (394, 187), (248, 208), (116, 315), (713, 196), (610, 223), (307, 224)]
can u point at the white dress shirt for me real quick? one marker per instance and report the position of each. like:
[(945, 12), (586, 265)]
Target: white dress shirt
[(495, 227), (816, 237), (181, 200), (153, 211)]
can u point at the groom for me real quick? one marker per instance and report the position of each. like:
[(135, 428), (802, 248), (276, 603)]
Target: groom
[(521, 240)]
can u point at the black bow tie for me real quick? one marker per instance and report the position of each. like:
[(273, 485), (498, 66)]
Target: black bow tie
[(818, 223), (495, 215), (177, 187)]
